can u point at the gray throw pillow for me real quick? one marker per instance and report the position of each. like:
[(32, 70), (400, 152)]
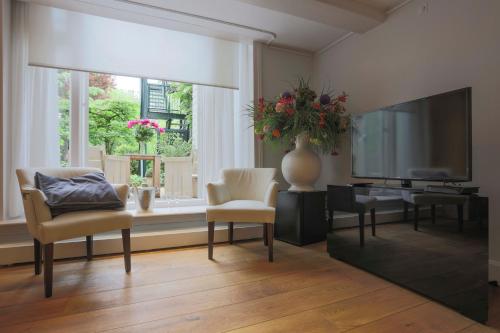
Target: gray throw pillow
[(87, 192)]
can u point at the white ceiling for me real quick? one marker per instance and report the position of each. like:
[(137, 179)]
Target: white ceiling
[(308, 25), (384, 5)]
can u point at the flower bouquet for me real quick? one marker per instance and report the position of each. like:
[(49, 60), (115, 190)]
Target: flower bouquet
[(144, 129), (301, 112), (302, 118)]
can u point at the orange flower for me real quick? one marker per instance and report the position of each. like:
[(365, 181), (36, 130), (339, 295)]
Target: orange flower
[(276, 133), (316, 106)]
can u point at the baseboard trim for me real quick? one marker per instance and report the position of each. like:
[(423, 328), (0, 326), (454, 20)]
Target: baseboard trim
[(112, 243)]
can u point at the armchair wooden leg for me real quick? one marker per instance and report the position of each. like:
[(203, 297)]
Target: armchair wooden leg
[(126, 249), (265, 233), (48, 261), (460, 211), (361, 229), (230, 232), (433, 214), (89, 241), (372, 216), (416, 209), (270, 238), (38, 256), (211, 229)]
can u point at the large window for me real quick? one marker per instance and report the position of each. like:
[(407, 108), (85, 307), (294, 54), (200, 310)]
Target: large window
[(139, 132)]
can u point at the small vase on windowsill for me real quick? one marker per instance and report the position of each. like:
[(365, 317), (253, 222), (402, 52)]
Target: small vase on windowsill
[(301, 167), (144, 199)]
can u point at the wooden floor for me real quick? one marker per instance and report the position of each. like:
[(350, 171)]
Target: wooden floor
[(304, 290)]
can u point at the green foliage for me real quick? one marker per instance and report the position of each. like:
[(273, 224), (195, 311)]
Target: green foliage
[(108, 121), (324, 119), (172, 145), (64, 131), (183, 93), (136, 181), (95, 93), (63, 83)]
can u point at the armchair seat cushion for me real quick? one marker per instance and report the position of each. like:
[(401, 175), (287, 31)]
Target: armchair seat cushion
[(251, 211), (83, 223)]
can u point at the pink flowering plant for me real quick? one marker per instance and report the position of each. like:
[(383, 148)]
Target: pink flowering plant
[(321, 117), (144, 129)]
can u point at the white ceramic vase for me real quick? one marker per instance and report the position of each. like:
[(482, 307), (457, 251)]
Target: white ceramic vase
[(302, 166), (144, 198)]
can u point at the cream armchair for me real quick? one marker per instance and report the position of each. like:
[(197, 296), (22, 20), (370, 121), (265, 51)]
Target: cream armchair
[(47, 230), (243, 196)]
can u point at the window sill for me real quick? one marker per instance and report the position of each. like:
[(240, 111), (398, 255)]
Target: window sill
[(169, 214), (159, 214), (171, 203)]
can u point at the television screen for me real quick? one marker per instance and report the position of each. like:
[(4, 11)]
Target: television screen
[(424, 139)]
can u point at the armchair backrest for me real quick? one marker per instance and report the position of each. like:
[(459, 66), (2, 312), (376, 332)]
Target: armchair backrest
[(341, 198), (248, 184)]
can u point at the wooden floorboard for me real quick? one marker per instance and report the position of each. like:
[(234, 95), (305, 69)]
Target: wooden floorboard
[(180, 290)]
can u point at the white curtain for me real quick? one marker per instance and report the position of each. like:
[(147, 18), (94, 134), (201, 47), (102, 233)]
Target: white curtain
[(224, 129), (32, 119), (244, 97)]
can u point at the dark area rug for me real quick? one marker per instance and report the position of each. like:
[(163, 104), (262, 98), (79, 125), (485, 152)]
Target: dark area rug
[(437, 261)]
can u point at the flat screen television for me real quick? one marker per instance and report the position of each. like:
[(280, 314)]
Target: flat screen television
[(425, 139)]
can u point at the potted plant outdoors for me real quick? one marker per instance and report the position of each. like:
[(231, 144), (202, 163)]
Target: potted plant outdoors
[(311, 123), (144, 130), (144, 195), (178, 162)]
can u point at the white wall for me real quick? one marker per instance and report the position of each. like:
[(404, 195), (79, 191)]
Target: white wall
[(280, 70), (415, 53)]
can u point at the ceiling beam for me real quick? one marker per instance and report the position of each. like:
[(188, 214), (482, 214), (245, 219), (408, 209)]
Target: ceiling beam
[(340, 14)]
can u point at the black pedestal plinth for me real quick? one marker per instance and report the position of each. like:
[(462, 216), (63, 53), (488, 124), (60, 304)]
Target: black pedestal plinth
[(300, 217)]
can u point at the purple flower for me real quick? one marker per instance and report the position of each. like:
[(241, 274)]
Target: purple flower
[(286, 94), (324, 99)]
